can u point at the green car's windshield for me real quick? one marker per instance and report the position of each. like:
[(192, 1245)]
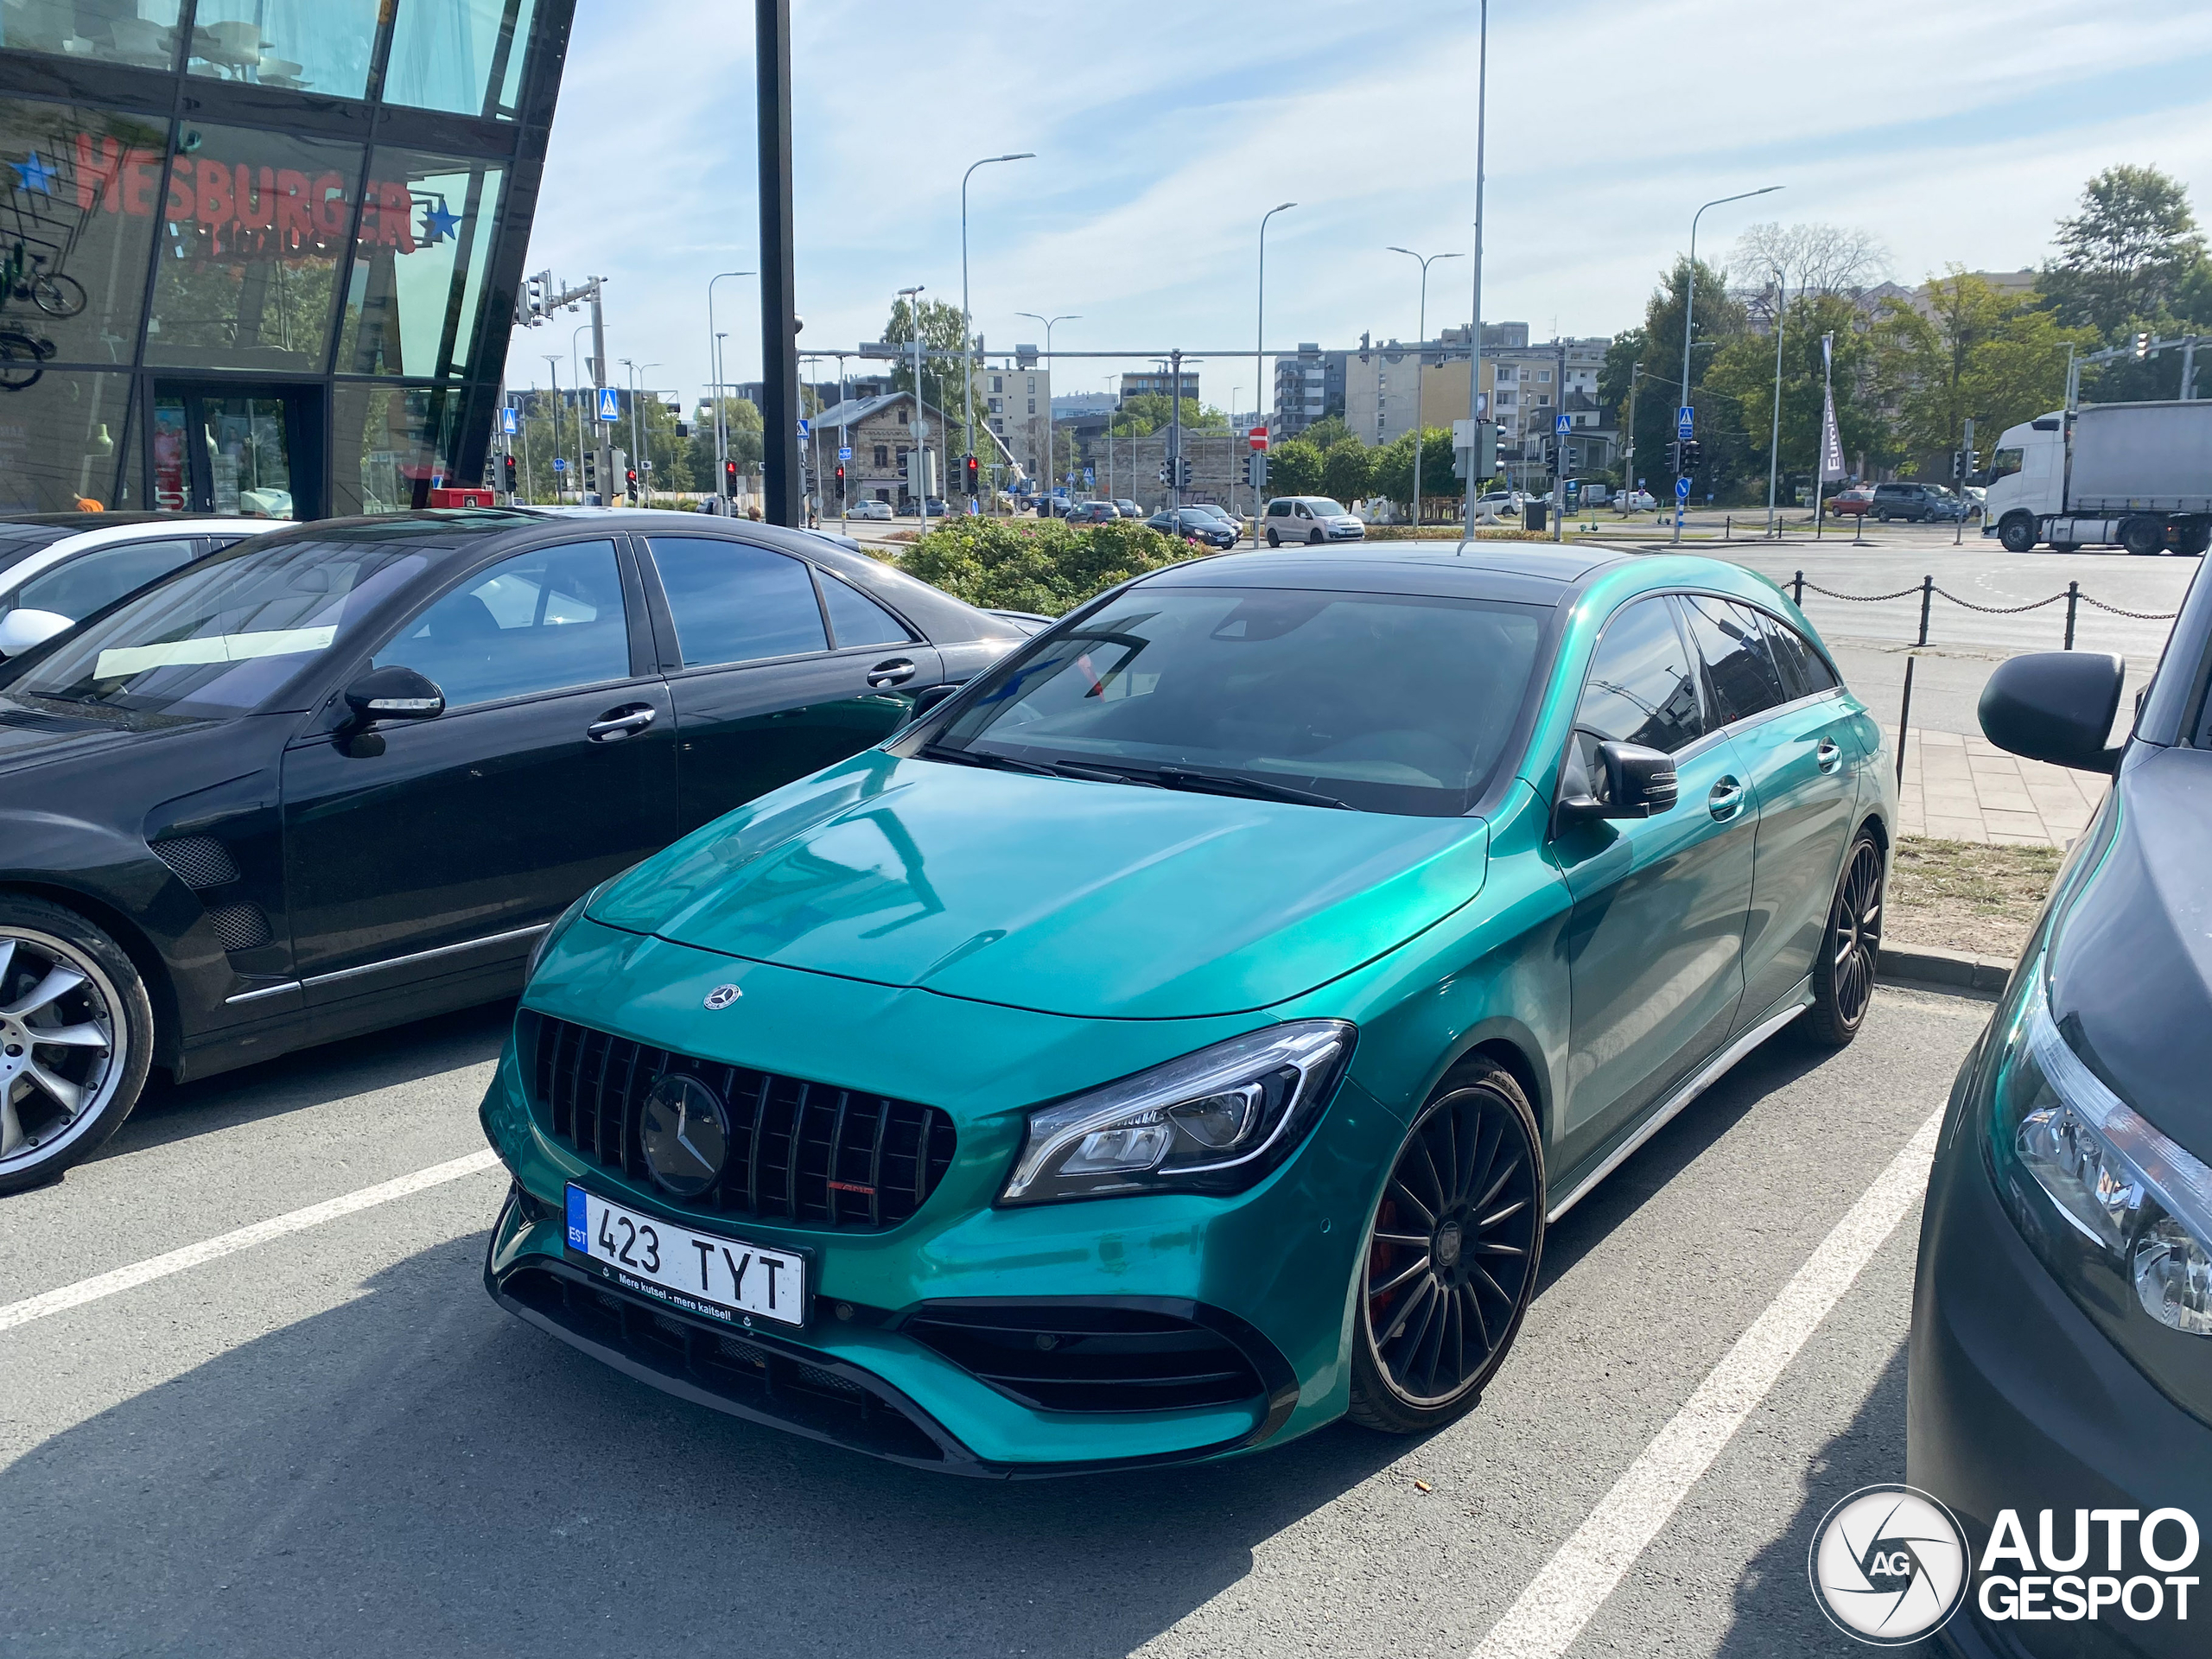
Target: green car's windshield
[(218, 637), (1386, 703)]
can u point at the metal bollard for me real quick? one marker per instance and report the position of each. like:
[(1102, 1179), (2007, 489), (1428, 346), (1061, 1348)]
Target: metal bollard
[(2073, 599), (1927, 599), (1797, 590), (1905, 718)]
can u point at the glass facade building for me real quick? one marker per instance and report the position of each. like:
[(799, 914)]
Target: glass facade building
[(260, 256)]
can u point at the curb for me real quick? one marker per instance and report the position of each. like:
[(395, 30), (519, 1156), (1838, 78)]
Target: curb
[(1954, 970)]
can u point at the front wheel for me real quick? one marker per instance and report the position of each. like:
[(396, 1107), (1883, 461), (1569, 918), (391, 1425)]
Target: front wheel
[(1450, 1264), (1273, 540), (1851, 950), (76, 1036), (2018, 533), (1314, 538)]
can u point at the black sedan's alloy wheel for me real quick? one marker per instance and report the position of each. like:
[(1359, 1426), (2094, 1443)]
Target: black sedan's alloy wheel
[(76, 1032), (1851, 950), (1451, 1258)]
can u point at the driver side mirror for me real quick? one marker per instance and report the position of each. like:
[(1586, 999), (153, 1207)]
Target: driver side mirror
[(928, 698), (393, 693), (20, 630), (1631, 782), (2056, 706)]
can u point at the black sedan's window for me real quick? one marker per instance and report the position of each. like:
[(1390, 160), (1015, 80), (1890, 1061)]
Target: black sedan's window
[(733, 602), (541, 621), (857, 619), (1641, 688)]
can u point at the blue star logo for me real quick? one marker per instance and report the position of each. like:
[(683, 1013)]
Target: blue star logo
[(35, 174), (439, 223)]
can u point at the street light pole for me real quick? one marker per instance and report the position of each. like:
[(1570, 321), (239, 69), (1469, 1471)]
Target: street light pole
[(918, 462), (1260, 340), (967, 321), (1774, 442), (1420, 363), (1689, 316), (1475, 354), (553, 373), (715, 357), (1052, 461)]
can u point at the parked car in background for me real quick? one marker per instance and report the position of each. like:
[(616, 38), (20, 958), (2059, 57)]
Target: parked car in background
[(1313, 519), (1638, 500), (1852, 503), (1194, 524), (345, 774), (1274, 1118), (1915, 503), (1094, 513), (870, 510), (56, 569), (1128, 509), (2061, 1348)]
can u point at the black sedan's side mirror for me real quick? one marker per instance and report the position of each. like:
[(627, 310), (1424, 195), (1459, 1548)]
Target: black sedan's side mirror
[(393, 693), (929, 696), (2056, 706), (1631, 782)]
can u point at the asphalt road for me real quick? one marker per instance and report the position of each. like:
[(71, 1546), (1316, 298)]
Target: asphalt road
[(332, 1442)]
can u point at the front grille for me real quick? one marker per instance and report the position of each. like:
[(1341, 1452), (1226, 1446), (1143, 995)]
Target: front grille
[(799, 1152), (759, 1380), (200, 861), (1078, 1356)]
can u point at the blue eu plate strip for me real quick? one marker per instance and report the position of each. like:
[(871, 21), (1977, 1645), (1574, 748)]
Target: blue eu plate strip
[(579, 1226)]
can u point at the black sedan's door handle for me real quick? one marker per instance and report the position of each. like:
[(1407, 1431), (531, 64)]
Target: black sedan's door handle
[(896, 671), (618, 723)]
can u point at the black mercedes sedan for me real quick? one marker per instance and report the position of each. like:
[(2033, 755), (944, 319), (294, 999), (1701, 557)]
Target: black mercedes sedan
[(2060, 1393), (344, 775)]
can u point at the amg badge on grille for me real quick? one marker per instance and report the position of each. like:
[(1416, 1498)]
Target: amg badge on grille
[(722, 995)]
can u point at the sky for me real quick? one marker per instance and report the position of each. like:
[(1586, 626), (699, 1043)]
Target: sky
[(1953, 132)]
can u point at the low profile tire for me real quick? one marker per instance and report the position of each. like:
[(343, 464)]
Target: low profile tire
[(1851, 950), (2145, 537), (1273, 540), (2017, 534), (76, 1036), (1451, 1257)]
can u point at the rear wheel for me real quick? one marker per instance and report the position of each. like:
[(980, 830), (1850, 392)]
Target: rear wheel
[(76, 1035), (2195, 540), (1273, 540), (2143, 536), (1851, 950), (2018, 533), (1450, 1264)]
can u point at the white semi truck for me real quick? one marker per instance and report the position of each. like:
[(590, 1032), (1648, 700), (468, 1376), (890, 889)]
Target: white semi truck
[(2132, 475)]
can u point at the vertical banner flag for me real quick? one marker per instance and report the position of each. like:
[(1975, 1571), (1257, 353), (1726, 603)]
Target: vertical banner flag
[(1831, 440)]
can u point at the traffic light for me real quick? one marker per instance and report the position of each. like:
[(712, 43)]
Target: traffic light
[(1182, 472), (1255, 471), (591, 469), (1958, 463), (841, 481), (1675, 458), (971, 471), (630, 483), (2142, 345), (729, 479), (1693, 452), (1163, 472), (507, 473)]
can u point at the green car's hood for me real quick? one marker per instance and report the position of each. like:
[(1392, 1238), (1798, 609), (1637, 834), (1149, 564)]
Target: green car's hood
[(1083, 899)]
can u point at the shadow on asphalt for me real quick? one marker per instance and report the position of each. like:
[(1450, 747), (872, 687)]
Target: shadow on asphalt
[(415, 1471), (314, 1076)]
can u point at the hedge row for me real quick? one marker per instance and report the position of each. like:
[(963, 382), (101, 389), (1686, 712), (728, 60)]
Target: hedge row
[(1045, 566)]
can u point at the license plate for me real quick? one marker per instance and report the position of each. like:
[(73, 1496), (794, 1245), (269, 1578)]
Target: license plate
[(699, 1273)]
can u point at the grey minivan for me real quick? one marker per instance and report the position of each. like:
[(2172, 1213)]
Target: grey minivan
[(1313, 519)]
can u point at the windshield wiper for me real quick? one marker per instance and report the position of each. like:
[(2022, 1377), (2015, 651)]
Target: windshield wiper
[(1209, 783), (983, 758)]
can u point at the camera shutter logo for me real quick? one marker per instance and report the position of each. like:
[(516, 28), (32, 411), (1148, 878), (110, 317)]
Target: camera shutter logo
[(1889, 1565)]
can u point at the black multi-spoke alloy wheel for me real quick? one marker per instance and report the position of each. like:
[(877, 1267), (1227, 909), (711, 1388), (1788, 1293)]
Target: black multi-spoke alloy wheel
[(76, 1035), (1851, 950), (1451, 1258)]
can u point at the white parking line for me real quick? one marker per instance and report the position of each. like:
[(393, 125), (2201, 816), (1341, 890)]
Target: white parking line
[(245, 1238), (1551, 1612)]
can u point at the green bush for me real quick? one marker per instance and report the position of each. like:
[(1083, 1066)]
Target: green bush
[(1046, 566)]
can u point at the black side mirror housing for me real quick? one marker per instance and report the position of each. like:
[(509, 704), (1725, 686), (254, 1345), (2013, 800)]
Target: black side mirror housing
[(929, 696), (2056, 706), (1632, 782), (393, 693)]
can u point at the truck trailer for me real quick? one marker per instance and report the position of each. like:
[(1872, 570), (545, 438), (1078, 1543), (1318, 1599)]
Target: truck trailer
[(2132, 475)]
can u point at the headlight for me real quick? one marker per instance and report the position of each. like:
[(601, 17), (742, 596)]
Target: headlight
[(561, 923), (2120, 1213), (1212, 1122)]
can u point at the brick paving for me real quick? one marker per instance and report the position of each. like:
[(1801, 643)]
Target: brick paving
[(1962, 788)]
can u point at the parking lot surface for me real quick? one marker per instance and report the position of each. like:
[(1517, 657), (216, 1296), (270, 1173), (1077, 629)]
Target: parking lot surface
[(331, 1441)]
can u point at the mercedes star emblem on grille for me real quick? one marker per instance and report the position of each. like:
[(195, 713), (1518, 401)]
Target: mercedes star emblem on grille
[(722, 996), (686, 1135)]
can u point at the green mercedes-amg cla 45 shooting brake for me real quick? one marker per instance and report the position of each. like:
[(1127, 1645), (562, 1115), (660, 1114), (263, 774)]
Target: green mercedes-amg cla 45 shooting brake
[(1180, 1036)]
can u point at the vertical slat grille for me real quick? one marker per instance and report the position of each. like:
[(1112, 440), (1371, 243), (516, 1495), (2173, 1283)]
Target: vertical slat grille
[(798, 1152)]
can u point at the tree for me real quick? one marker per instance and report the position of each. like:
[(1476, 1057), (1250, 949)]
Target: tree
[(942, 330), (1147, 412), (1814, 258), (1744, 380), (1392, 473), (1327, 433), (742, 419), (2127, 256), (1295, 468), (1347, 466), (1719, 320)]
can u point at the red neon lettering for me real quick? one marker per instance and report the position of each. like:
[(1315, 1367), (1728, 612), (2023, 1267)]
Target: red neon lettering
[(256, 208), (292, 225), (327, 202), (216, 206), (142, 171), (183, 205)]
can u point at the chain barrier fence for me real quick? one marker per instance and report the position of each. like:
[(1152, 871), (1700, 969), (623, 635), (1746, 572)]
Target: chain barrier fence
[(1928, 593)]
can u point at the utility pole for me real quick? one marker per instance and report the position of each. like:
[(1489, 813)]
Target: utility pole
[(1175, 431), (1420, 363), (553, 369), (1475, 359), (918, 462), (1774, 441), (1628, 451), (1260, 344), (780, 320), (967, 321), (1689, 312)]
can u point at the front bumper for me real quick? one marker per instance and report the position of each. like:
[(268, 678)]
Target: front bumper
[(2017, 1401), (1267, 1271)]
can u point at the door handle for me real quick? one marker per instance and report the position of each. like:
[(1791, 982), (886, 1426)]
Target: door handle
[(897, 671), (1828, 756), (1726, 801), (619, 723)]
